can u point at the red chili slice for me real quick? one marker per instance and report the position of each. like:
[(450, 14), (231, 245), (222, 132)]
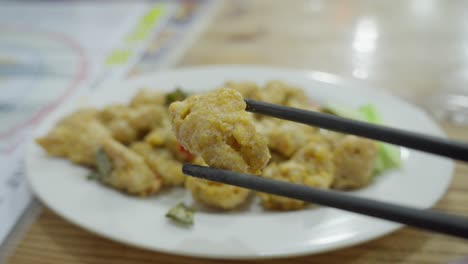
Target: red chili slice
[(187, 155)]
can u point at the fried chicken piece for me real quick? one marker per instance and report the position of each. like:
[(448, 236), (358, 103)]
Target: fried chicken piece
[(127, 124), (129, 171), (80, 137), (83, 115), (312, 165), (317, 157), (76, 137), (278, 92), (248, 90), (354, 160), (148, 97), (289, 171), (288, 137), (217, 195), (161, 162), (217, 127), (164, 137)]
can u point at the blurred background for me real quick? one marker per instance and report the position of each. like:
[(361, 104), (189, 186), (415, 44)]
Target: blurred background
[(416, 49), (53, 51)]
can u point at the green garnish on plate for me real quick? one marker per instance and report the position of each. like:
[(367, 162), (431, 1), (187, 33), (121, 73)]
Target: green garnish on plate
[(103, 164), (181, 214), (177, 95)]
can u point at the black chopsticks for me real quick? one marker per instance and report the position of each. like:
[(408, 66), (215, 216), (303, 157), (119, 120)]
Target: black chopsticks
[(421, 218), (426, 143), (425, 219)]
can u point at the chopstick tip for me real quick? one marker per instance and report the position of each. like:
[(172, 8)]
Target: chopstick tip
[(187, 168)]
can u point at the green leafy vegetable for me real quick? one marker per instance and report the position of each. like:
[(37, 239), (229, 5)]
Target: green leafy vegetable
[(389, 155), (181, 214), (177, 95), (343, 112), (93, 175), (103, 164), (371, 114)]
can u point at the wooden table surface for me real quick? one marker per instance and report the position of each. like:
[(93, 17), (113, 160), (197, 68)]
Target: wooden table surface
[(410, 48)]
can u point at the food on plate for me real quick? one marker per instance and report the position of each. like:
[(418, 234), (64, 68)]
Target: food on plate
[(247, 89), (388, 156), (216, 126), (139, 147), (317, 157), (76, 137), (215, 194), (288, 137), (290, 171), (163, 137), (177, 95), (162, 162), (311, 165), (128, 171), (354, 160), (278, 92), (148, 97), (81, 138), (127, 123)]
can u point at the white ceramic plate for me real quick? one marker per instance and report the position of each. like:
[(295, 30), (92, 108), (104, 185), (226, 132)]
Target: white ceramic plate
[(251, 232)]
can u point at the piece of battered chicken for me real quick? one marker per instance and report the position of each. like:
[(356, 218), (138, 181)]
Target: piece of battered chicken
[(278, 92), (161, 162), (312, 165), (288, 137), (289, 171), (129, 172), (76, 137), (79, 137), (164, 137), (354, 160), (84, 115), (148, 97), (127, 124), (217, 195), (248, 90), (317, 157), (216, 127)]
